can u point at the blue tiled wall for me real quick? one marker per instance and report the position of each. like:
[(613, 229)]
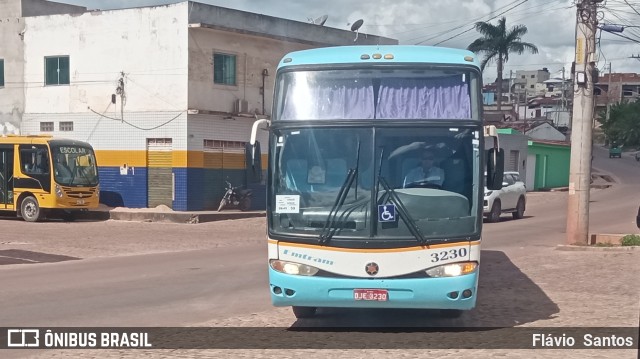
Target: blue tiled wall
[(118, 190), (196, 189)]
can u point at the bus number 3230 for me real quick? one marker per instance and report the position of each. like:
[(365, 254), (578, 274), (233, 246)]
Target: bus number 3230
[(449, 254)]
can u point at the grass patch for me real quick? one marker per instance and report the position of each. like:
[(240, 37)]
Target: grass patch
[(607, 244)]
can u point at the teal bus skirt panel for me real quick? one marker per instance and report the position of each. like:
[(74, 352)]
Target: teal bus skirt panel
[(418, 293)]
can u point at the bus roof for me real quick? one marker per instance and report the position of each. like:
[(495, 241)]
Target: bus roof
[(38, 139), (400, 54)]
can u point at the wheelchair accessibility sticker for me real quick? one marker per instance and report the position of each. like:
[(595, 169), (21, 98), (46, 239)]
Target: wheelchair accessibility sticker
[(387, 213)]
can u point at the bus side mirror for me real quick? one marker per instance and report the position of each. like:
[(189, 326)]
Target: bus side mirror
[(253, 162), (638, 218), (495, 168)]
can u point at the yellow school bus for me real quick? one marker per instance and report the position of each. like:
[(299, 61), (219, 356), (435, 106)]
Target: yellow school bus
[(41, 175)]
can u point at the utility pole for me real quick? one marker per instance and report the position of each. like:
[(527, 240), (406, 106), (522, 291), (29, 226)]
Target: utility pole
[(123, 96), (609, 94), (564, 104), (510, 92), (582, 124)]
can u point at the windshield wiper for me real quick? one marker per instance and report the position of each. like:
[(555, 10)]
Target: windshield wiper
[(402, 210), (330, 228)]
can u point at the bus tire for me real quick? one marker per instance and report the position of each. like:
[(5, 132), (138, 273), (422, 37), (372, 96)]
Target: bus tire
[(304, 312), (30, 210)]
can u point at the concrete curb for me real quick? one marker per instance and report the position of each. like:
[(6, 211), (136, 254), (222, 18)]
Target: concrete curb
[(168, 217), (567, 247)]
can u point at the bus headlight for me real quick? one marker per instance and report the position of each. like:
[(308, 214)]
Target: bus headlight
[(452, 270), (59, 192), (292, 268)]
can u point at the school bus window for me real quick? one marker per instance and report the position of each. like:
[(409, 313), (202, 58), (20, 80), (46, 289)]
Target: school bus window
[(34, 161)]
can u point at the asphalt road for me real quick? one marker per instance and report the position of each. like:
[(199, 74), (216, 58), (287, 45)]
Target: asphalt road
[(145, 274)]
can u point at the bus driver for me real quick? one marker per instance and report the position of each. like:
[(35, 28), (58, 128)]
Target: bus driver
[(426, 172)]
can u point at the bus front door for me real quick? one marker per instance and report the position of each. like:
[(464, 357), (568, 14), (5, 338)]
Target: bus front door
[(6, 178)]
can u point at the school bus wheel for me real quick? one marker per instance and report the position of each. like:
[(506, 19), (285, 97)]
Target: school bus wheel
[(30, 210)]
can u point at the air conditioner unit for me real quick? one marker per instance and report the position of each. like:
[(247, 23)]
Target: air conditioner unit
[(241, 106)]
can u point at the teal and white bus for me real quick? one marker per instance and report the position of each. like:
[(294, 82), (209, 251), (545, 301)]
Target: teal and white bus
[(349, 222)]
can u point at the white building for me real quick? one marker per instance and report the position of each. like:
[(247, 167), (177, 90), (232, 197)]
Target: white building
[(165, 94)]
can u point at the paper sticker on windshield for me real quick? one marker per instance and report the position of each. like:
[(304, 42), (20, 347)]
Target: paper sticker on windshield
[(287, 204), (387, 213)]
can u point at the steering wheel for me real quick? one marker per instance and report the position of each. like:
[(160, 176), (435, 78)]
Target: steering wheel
[(423, 184)]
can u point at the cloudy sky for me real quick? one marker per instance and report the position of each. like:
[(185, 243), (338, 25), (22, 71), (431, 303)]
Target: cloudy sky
[(551, 24)]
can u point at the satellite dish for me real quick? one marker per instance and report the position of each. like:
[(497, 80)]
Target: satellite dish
[(356, 25), (321, 20)]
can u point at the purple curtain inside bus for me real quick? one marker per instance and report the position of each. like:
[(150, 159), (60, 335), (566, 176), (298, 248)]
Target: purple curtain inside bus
[(423, 98), (398, 98), (332, 100)]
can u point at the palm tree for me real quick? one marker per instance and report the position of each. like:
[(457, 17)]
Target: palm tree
[(497, 43)]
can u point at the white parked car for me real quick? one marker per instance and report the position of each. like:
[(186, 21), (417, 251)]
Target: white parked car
[(511, 198)]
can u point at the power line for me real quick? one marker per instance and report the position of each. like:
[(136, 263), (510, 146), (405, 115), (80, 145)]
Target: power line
[(463, 25), (634, 9)]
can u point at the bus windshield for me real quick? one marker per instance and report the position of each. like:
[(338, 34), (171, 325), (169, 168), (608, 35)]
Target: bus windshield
[(355, 182), (74, 165), (402, 93)]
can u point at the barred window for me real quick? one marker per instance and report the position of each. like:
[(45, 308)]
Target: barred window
[(46, 126), (66, 125), (221, 144)]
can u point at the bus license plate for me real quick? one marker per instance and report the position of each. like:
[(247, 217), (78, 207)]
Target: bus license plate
[(80, 201), (380, 295)]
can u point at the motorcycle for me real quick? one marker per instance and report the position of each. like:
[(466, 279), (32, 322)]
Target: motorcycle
[(235, 197)]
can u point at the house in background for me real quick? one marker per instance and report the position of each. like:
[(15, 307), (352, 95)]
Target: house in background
[(166, 94), (515, 149), (544, 130), (541, 161), (615, 88), (548, 164)]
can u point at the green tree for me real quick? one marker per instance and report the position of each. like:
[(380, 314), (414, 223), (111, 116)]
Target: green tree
[(496, 43), (623, 125)]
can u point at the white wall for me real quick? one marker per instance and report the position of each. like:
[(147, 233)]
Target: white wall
[(203, 127), (12, 98), (148, 44), (546, 132), (253, 55)]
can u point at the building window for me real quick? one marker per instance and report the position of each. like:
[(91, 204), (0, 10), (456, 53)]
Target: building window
[(532, 86), (1, 73), (224, 69), (56, 70), (533, 76), (523, 76), (223, 145), (46, 126), (66, 126)]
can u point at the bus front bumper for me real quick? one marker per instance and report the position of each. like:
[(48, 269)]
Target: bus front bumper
[(418, 293)]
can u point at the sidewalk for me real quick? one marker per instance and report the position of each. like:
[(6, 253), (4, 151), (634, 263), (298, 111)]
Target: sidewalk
[(165, 214)]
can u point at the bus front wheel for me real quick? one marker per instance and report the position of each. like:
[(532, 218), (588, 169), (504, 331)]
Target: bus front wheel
[(304, 312), (30, 210)]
